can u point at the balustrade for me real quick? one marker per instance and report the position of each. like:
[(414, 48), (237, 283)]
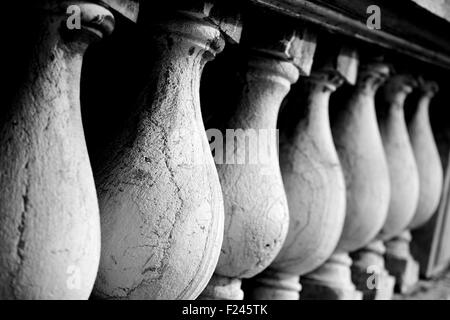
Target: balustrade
[(309, 197)]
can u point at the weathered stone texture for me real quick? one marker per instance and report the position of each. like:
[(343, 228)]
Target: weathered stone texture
[(159, 194), (49, 223)]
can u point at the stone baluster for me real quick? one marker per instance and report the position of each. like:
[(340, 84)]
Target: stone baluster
[(431, 173), (312, 175), (256, 211), (358, 142), (426, 154), (369, 272), (49, 220), (160, 199), (403, 174)]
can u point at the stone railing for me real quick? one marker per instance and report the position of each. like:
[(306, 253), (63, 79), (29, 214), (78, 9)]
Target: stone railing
[(240, 149)]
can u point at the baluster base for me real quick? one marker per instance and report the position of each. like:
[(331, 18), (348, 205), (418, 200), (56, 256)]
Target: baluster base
[(400, 263), (273, 285), (222, 288), (369, 273), (374, 286), (332, 281), (405, 272)]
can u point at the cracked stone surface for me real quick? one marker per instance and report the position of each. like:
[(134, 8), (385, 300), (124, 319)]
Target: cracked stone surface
[(49, 222), (256, 212), (159, 194), (256, 219)]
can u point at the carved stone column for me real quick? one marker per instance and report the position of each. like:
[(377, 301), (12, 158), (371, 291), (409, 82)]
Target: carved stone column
[(358, 142), (403, 175), (49, 223), (160, 198), (256, 211), (426, 154), (312, 175)]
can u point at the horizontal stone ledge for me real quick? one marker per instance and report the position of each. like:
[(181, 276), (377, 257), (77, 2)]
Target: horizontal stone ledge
[(405, 27)]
